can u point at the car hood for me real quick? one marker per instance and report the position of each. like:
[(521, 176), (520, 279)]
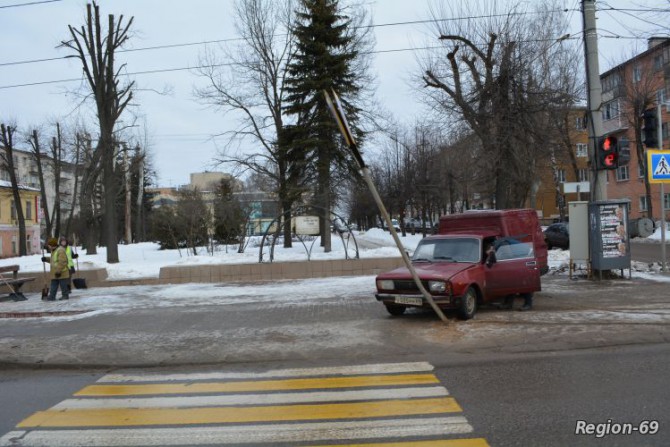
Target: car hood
[(429, 270)]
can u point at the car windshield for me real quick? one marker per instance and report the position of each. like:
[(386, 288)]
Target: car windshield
[(447, 250)]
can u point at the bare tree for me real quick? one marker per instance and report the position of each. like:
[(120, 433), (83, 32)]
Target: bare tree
[(77, 152), (7, 160), (253, 87), (40, 162), (193, 217), (491, 80), (97, 52), (89, 195), (140, 166), (57, 157)]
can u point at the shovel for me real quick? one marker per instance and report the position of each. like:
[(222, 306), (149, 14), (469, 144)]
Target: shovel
[(45, 289)]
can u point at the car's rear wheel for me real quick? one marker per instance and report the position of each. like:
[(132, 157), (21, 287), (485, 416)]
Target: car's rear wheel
[(468, 306), (395, 310)]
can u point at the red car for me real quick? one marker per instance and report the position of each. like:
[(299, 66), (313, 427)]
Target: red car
[(458, 269)]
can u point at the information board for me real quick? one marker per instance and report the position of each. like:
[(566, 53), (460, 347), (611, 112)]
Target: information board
[(610, 244)]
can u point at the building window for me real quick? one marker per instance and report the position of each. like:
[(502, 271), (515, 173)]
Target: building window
[(583, 175), (611, 110), (658, 62), (643, 203), (13, 207), (561, 175), (580, 122), (637, 74), (666, 201), (622, 174), (14, 245), (664, 130), (582, 150), (29, 209), (28, 249), (611, 82)]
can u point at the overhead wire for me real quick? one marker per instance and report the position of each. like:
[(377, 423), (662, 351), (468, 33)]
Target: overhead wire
[(18, 5), (205, 42), (232, 39), (197, 67)]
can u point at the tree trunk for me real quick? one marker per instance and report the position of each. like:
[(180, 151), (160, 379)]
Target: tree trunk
[(44, 205), (8, 159), (110, 221), (139, 204)]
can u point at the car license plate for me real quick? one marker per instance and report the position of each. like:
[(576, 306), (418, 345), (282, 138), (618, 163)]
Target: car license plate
[(411, 301)]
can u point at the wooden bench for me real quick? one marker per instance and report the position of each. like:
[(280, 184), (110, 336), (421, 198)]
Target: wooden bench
[(14, 283)]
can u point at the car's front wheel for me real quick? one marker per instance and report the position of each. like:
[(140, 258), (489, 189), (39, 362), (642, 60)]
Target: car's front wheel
[(395, 310), (468, 306)]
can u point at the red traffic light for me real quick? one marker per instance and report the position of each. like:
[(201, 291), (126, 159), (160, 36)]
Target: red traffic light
[(607, 156), (609, 143)]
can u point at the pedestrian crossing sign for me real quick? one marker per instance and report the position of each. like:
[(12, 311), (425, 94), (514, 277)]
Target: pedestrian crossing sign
[(658, 166)]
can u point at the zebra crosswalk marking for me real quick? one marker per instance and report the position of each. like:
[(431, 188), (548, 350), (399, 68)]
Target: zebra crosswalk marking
[(352, 370), (252, 399), (245, 434), (403, 407), (225, 415), (262, 385), (475, 442)]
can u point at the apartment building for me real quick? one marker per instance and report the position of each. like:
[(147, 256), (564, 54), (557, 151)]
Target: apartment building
[(645, 75), (9, 227), (263, 208), (29, 188), (558, 176)]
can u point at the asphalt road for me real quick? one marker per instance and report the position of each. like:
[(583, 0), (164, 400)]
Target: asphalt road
[(595, 351), (522, 400)]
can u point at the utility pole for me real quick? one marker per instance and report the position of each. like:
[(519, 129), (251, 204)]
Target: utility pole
[(594, 100), (128, 233), (139, 215), (659, 121)]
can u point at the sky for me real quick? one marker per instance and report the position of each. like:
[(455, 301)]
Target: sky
[(176, 127)]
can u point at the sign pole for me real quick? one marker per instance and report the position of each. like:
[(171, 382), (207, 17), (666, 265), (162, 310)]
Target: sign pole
[(660, 147)]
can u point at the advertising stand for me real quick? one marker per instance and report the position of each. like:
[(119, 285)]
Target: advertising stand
[(610, 244)]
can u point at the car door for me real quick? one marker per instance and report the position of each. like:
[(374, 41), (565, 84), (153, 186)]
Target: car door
[(516, 270)]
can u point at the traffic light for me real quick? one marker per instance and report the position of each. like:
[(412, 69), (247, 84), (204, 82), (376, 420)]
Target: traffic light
[(607, 156), (650, 128)]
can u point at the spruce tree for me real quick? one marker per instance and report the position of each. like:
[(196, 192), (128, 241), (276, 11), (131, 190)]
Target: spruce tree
[(324, 60)]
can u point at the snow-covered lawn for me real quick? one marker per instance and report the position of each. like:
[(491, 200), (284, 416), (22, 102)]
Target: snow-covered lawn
[(144, 260)]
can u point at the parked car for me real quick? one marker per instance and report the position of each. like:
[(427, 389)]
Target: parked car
[(557, 235), (395, 224), (458, 270), (418, 225)]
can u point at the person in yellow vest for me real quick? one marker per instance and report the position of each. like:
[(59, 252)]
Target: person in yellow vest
[(59, 272), (63, 242)]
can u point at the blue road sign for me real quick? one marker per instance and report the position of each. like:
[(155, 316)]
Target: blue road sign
[(658, 166)]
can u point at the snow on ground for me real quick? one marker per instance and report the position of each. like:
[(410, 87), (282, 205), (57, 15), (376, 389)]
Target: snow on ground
[(144, 260), (101, 300)]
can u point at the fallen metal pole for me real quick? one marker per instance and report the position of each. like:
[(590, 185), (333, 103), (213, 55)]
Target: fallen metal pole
[(338, 114), (403, 253)]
